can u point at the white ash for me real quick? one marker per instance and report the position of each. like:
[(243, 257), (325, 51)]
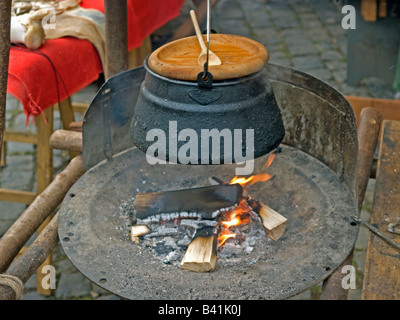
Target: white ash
[(171, 233), (247, 237), (123, 217)]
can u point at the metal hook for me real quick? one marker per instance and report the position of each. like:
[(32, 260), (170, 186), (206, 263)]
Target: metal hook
[(205, 79)]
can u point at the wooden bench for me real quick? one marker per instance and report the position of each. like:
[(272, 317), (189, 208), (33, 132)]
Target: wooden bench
[(382, 267)]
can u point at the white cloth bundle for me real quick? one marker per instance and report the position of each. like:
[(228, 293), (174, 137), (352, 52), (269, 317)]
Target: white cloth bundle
[(32, 22)]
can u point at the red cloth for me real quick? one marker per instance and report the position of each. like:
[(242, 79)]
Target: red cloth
[(31, 76), (32, 79), (144, 16)]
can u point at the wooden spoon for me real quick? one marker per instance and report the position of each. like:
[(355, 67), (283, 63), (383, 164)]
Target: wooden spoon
[(213, 59)]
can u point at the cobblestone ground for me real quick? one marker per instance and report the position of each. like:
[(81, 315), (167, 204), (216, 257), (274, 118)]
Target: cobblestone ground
[(304, 34)]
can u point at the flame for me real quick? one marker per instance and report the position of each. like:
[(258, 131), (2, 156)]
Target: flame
[(251, 180), (231, 223), (236, 217), (223, 237), (240, 215), (261, 177), (271, 158)]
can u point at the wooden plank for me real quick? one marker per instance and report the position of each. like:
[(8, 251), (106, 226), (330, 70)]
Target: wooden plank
[(382, 276), (17, 196), (382, 10), (20, 136), (388, 107), (369, 10)]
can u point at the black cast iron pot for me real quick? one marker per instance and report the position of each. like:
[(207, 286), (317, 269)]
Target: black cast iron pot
[(187, 122)]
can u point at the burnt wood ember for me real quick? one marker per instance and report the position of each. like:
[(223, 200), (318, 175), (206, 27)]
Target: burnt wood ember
[(191, 227), (205, 201)]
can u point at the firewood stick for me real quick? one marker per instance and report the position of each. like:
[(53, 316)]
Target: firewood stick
[(273, 222), (25, 265), (205, 200), (137, 231), (201, 255), (66, 140), (43, 205)]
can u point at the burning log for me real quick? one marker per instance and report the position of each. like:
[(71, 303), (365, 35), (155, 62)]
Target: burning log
[(274, 223), (201, 254), (205, 201)]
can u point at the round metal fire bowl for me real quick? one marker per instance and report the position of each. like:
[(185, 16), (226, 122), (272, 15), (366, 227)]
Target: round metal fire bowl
[(320, 232)]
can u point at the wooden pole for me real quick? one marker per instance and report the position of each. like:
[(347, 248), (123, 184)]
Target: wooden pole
[(5, 18), (116, 37), (41, 208), (368, 133), (25, 265), (66, 140)]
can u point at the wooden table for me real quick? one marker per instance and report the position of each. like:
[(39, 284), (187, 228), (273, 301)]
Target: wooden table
[(382, 268)]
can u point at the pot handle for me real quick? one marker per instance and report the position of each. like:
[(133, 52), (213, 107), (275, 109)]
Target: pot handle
[(205, 79)]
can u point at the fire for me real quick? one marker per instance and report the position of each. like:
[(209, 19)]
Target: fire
[(261, 177), (223, 237), (236, 217), (251, 180), (240, 215)]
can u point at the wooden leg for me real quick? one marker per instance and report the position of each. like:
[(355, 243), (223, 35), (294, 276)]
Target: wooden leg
[(67, 116), (5, 13), (3, 153), (44, 176)]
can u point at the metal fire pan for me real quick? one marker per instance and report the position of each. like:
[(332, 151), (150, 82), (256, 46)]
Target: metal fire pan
[(314, 187), (95, 217)]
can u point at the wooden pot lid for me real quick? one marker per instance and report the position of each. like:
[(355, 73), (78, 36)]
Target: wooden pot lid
[(240, 57)]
